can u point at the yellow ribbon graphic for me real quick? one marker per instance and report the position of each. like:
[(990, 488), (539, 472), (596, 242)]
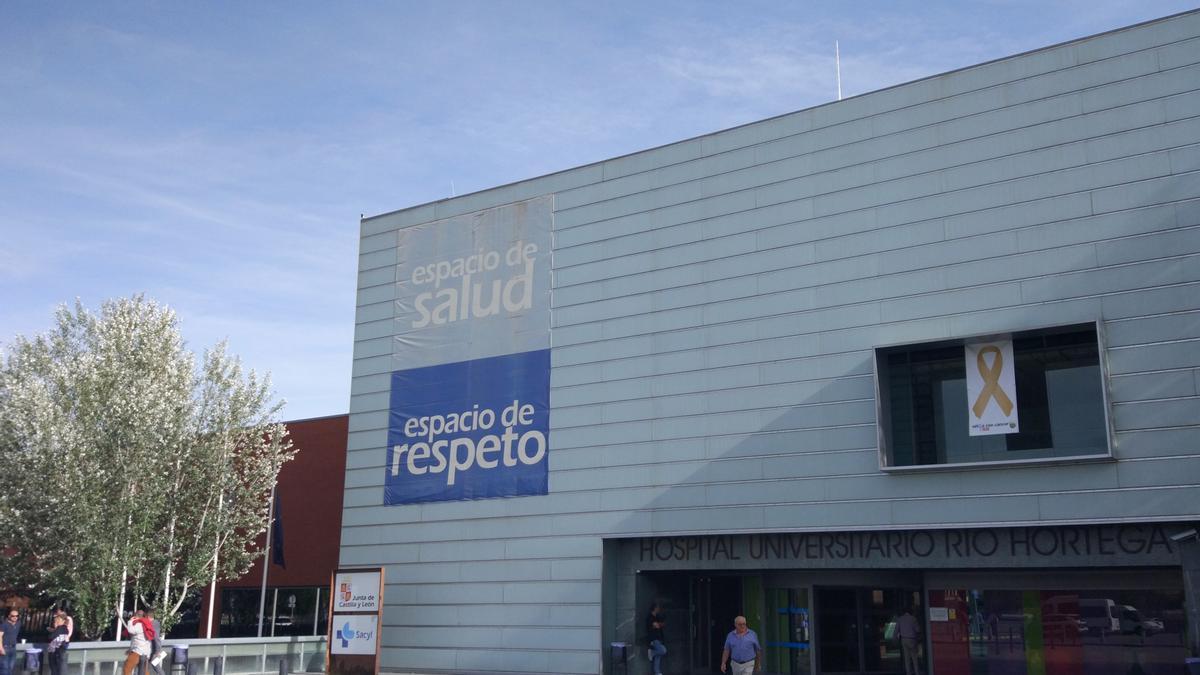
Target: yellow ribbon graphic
[(991, 381)]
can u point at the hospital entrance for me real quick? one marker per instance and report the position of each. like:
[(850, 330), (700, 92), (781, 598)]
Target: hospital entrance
[(840, 624)]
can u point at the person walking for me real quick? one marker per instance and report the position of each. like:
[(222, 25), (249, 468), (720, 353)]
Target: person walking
[(139, 646), (10, 628), (910, 631), (156, 636), (655, 623), (742, 649)]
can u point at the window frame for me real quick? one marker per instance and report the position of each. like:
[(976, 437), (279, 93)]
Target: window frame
[(883, 410)]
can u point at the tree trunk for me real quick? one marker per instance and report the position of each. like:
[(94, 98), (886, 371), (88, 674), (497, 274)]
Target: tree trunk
[(121, 602), (212, 591), (166, 596)]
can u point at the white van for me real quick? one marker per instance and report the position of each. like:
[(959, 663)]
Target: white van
[(1132, 621), (1101, 615)]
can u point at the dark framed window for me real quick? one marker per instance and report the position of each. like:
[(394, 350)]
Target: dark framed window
[(1061, 401), (287, 610)]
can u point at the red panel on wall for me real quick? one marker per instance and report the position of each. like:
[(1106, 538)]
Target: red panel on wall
[(1061, 643), (949, 638)]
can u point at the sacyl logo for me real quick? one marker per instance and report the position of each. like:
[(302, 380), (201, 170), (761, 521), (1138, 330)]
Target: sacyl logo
[(346, 634)]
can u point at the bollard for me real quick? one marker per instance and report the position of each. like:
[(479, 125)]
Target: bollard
[(283, 667), (218, 666), (192, 667), (618, 656), (33, 659)]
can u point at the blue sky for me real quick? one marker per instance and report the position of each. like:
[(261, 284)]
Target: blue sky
[(217, 156)]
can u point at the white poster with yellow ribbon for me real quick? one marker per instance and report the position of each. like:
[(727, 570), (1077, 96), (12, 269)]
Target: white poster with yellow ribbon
[(991, 387)]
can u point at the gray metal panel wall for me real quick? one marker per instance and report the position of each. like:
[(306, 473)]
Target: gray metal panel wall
[(716, 302)]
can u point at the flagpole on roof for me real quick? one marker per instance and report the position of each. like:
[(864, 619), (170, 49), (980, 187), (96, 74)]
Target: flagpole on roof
[(837, 57)]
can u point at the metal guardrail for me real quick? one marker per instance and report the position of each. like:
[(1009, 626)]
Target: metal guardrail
[(236, 656)]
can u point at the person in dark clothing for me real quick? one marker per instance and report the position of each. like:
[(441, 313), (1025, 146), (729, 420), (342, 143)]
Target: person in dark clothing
[(56, 651), (910, 632), (10, 628), (157, 654), (655, 623), (70, 622)]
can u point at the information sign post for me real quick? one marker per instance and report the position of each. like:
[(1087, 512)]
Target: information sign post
[(355, 617)]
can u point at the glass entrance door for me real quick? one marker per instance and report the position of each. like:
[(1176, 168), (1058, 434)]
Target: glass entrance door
[(713, 603), (878, 608), (839, 641), (786, 632), (852, 628)]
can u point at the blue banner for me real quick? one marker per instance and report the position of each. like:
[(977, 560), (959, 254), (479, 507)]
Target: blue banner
[(470, 398), (469, 430)]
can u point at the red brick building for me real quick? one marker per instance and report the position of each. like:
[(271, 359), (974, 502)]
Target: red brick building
[(310, 506)]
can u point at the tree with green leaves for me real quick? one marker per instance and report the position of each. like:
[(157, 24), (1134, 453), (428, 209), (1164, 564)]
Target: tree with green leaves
[(131, 470)]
